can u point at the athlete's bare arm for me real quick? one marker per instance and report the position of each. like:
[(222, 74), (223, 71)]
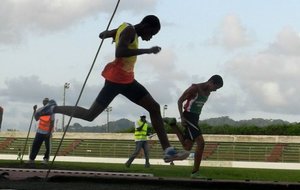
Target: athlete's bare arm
[(187, 94), (126, 37), (108, 34)]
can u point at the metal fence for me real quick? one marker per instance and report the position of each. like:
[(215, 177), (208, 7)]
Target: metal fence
[(222, 151)]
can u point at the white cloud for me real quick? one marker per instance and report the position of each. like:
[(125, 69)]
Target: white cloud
[(287, 43), (231, 34), (163, 79), (271, 94), (19, 17), (62, 36), (21, 93), (270, 78), (159, 72), (25, 89)]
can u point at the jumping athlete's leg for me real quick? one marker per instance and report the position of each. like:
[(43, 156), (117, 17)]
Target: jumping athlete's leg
[(185, 141), (194, 134), (179, 134), (198, 153), (153, 108), (80, 112), (139, 95), (105, 96)]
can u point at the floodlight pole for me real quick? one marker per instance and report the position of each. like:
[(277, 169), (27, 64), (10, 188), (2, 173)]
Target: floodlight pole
[(164, 109), (108, 109), (66, 86)]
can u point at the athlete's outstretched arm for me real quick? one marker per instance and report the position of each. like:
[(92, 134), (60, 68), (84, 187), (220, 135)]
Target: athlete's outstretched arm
[(108, 34)]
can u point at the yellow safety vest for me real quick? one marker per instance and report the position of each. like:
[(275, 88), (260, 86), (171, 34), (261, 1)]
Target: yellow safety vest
[(142, 134)]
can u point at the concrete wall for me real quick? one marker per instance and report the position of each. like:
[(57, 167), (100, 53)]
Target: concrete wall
[(129, 136)]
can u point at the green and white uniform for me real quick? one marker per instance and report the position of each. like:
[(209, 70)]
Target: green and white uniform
[(192, 111)]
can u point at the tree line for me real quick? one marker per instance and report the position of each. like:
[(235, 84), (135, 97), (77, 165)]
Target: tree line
[(220, 126), (292, 129)]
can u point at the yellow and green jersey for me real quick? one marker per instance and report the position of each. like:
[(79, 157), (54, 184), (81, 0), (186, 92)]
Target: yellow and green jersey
[(121, 70)]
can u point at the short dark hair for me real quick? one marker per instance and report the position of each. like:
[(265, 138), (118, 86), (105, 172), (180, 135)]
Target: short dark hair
[(152, 21), (216, 79), (45, 101)]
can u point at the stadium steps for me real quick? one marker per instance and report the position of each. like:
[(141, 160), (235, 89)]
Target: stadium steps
[(241, 151), (276, 153), (5, 144), (223, 151), (102, 148), (209, 149), (291, 153), (70, 148)]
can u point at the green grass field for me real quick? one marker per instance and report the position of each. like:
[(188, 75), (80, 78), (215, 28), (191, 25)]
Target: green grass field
[(217, 173)]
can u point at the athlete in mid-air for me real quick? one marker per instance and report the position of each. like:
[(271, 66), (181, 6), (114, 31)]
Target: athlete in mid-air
[(119, 79)]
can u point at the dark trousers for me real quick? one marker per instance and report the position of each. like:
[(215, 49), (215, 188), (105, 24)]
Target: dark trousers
[(140, 145), (36, 145)]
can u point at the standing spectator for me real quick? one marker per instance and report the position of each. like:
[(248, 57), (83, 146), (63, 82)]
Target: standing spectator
[(43, 134), (141, 141)]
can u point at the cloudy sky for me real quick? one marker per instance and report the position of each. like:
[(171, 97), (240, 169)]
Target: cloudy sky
[(254, 45)]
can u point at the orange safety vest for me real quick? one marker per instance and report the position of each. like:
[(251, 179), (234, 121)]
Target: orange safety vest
[(44, 123)]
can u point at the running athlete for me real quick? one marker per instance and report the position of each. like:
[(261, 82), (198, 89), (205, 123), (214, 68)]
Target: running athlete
[(190, 105), (119, 79)]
